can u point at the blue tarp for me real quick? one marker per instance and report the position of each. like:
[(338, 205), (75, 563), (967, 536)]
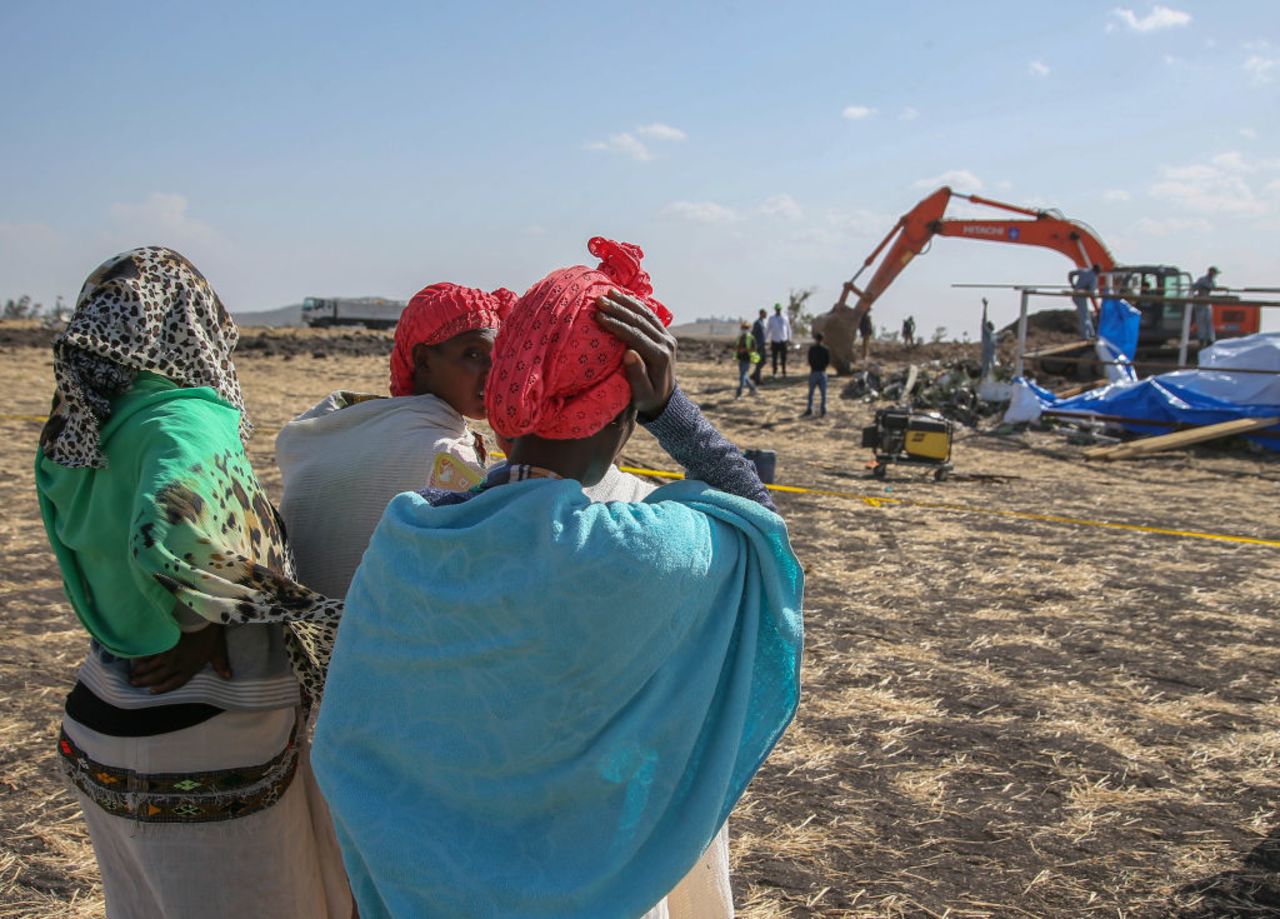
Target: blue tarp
[(1196, 397), (1118, 324)]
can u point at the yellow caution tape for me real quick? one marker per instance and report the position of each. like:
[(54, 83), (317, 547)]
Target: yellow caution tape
[(881, 501)]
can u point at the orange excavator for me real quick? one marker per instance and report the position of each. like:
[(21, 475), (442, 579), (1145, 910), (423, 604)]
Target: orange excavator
[(1047, 229)]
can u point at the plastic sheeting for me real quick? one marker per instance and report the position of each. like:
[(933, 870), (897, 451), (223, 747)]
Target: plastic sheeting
[(1253, 352), (1118, 324), (1115, 362), (1200, 397)]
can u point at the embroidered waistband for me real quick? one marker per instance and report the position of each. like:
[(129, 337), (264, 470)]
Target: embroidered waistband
[(181, 797)]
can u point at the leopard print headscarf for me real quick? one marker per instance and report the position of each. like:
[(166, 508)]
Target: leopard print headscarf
[(146, 309)]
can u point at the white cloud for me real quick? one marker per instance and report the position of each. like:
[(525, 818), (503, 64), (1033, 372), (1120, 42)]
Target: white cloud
[(908, 114), (1262, 69), (659, 131), (1232, 161), (164, 218), (701, 212), (1222, 185), (1171, 226), (783, 206), (1115, 194), (1249, 133), (1160, 17), (835, 231), (857, 112), (1038, 69), (961, 180), (625, 144)]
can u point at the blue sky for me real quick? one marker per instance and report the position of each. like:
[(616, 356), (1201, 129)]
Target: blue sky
[(325, 149)]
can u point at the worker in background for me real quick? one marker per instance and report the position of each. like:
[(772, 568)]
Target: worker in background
[(758, 333), (1203, 312), (866, 329), (819, 360), (909, 331), (779, 336), (1084, 280), (988, 343), (744, 350)]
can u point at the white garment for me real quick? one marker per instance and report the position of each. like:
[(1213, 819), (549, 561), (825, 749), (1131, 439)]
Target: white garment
[(344, 460), (619, 486), (778, 329), (281, 862), (703, 893), (261, 676)]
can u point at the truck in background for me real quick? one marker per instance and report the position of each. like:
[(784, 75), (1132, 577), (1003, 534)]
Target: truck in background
[(369, 312)]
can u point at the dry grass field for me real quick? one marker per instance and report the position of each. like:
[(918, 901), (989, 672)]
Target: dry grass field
[(1003, 715)]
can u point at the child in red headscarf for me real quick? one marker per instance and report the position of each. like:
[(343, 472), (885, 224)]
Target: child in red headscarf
[(346, 457)]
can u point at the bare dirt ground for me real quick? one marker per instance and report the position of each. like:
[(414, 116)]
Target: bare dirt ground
[(1002, 715)]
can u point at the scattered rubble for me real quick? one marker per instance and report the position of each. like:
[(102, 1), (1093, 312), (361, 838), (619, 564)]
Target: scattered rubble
[(948, 387)]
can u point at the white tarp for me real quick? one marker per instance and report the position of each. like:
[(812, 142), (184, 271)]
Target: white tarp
[(1253, 352)]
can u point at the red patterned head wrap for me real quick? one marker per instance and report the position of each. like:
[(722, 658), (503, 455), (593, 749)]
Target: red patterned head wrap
[(438, 313), (556, 373)]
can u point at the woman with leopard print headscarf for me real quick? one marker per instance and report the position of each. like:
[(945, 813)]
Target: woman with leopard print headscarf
[(184, 736)]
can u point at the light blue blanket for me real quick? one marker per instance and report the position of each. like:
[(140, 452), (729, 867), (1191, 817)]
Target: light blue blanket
[(544, 707)]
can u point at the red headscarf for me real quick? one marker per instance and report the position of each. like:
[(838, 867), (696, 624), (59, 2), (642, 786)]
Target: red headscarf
[(556, 373), (438, 313)]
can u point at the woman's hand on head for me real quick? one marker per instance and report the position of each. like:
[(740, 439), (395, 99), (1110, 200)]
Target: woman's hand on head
[(650, 361), (172, 669)]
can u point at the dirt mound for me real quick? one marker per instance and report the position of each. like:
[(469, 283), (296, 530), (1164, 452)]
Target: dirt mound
[(259, 341), (336, 342), (26, 333)]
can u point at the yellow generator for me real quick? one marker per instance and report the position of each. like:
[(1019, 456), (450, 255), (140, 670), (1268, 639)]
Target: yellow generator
[(914, 438)]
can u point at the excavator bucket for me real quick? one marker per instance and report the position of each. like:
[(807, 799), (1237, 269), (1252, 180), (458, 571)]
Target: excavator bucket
[(839, 328)]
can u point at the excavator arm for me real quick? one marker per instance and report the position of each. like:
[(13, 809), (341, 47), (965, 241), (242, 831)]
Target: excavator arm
[(913, 233)]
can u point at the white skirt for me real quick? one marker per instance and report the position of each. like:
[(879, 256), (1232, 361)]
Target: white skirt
[(280, 859)]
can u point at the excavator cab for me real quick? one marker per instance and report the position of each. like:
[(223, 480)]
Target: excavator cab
[(1154, 290)]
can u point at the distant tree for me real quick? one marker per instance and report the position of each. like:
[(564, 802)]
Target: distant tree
[(800, 319), (887, 334), (60, 310), (18, 310), (939, 335)]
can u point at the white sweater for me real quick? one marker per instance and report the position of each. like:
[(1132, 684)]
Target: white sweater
[(345, 459)]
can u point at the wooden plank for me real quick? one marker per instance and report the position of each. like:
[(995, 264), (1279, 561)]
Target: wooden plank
[(1138, 422), (1059, 349), (1083, 387), (1179, 438)]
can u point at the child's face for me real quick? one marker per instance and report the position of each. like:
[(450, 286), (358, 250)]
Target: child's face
[(455, 370)]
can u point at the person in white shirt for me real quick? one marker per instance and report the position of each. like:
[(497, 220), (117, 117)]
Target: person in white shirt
[(779, 336)]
